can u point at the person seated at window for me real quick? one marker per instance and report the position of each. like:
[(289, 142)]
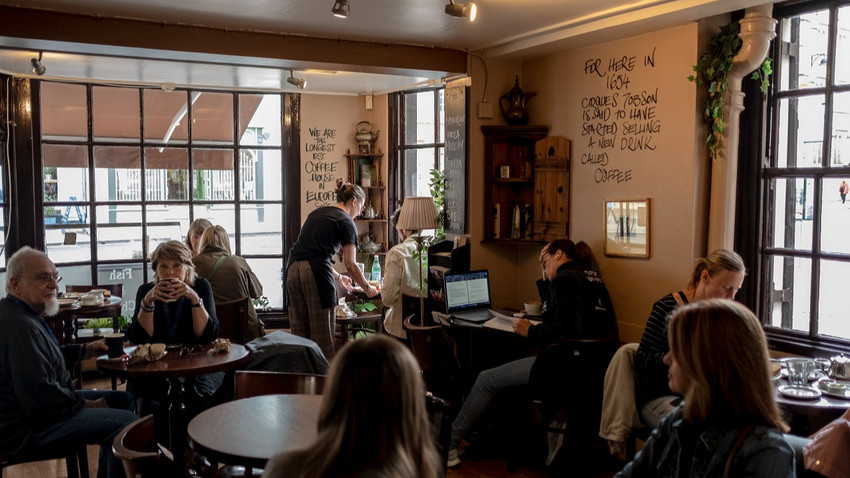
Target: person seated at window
[(728, 423), (373, 421), (193, 237), (719, 275), (229, 275), (401, 277), (39, 406), (177, 308), (576, 304)]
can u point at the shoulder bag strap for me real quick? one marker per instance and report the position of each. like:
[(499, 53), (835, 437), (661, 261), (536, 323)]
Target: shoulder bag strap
[(735, 447), (217, 265)]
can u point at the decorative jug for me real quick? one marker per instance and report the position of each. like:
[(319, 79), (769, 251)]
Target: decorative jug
[(365, 136), (515, 113), (839, 367)]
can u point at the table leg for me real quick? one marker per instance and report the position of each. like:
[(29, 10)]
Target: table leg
[(70, 329), (343, 332), (176, 418)]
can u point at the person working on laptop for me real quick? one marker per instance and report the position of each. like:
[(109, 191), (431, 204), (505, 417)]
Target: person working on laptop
[(575, 305)]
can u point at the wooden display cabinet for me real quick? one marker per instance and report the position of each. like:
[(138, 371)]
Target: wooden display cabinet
[(526, 185), (361, 167)]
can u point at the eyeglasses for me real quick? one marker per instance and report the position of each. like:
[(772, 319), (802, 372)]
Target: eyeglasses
[(47, 278), (190, 350)]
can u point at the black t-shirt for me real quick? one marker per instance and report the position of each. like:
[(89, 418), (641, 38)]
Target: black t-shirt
[(323, 233)]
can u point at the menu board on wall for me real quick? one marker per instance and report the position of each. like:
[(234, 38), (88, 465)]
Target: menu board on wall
[(455, 168)]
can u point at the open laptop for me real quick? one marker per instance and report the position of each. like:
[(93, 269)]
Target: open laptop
[(467, 296)]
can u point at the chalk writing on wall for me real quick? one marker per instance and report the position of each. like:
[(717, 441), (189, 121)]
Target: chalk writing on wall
[(620, 119), (455, 166), (321, 167)]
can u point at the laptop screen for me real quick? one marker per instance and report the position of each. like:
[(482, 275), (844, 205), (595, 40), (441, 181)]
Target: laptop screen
[(468, 290)]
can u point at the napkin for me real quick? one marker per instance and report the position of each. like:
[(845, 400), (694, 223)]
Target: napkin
[(147, 353), (219, 346)]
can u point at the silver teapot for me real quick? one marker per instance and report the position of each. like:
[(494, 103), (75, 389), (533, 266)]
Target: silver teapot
[(839, 367)]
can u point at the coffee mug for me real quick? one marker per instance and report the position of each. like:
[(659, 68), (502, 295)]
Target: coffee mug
[(533, 308), (115, 342)]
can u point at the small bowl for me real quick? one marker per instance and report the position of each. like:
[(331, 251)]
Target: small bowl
[(836, 387)]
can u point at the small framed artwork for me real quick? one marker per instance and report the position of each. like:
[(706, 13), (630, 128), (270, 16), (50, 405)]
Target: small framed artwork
[(627, 228)]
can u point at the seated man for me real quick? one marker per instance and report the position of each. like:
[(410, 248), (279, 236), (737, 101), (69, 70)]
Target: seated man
[(575, 305), (38, 404)]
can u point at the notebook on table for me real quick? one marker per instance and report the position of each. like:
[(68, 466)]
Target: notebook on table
[(467, 296)]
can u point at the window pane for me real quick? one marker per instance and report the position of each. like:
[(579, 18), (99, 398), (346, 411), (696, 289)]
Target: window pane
[(128, 275), (791, 293), (418, 164), (65, 173), (259, 120), (64, 112), (167, 174), (117, 173), (807, 67), (832, 313), (270, 274), (212, 118), (223, 215), (840, 154), (66, 235), (115, 113), (119, 232), (419, 118), (166, 119), (834, 217), (441, 115), (801, 142), (261, 229), (792, 213), (165, 223), (214, 174), (260, 174), (842, 67)]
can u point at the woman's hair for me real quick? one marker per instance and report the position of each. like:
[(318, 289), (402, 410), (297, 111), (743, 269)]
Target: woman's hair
[(175, 251), (718, 260), (564, 245), (345, 191), (197, 228), (214, 237), (730, 379), (394, 221), (373, 416)]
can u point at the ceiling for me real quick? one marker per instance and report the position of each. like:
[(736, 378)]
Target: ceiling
[(509, 29)]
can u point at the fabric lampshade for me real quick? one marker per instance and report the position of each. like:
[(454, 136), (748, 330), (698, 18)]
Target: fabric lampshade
[(418, 213)]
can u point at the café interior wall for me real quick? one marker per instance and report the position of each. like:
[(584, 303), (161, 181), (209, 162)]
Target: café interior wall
[(676, 181)]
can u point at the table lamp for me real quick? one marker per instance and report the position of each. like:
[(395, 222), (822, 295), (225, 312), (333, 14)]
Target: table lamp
[(418, 214)]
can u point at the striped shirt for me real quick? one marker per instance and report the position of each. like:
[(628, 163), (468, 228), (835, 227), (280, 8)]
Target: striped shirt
[(650, 370)]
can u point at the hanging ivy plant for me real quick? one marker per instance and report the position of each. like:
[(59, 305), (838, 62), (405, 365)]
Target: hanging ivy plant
[(712, 70)]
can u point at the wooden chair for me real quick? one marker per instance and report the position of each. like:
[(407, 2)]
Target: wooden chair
[(232, 318), (441, 425), (435, 351), (137, 448), (252, 383), (76, 459)]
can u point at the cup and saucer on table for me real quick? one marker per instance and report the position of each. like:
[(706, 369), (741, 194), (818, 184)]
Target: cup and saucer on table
[(800, 372)]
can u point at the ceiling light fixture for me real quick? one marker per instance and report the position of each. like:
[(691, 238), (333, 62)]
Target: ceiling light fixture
[(340, 8), (37, 66), (469, 10), (297, 82)]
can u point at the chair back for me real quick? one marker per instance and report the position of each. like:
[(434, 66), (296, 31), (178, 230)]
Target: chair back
[(437, 356), (441, 425), (410, 306), (114, 289), (137, 448), (252, 383), (232, 318)]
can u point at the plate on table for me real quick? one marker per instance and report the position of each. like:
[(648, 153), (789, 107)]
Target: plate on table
[(72, 295), (799, 393), (66, 301), (823, 386)]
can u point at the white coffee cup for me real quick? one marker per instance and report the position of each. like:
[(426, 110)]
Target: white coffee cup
[(89, 299), (533, 308), (101, 293)]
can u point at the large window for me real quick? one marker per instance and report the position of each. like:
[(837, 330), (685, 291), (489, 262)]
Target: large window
[(806, 244), (421, 139), (125, 169)]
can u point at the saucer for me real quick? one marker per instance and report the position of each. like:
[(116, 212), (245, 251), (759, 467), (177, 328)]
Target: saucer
[(799, 393), (66, 301)]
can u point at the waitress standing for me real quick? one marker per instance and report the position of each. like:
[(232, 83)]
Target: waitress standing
[(310, 279)]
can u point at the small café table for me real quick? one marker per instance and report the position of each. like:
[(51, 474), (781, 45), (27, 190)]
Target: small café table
[(248, 432), (808, 416), (174, 366), (68, 315), (359, 319)]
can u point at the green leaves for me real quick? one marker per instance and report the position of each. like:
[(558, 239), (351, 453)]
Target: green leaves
[(437, 186), (713, 69)]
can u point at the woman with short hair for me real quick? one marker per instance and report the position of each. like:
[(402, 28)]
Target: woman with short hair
[(729, 423), (373, 421)]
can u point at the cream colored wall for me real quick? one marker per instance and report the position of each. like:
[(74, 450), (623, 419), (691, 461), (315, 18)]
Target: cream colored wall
[(673, 176)]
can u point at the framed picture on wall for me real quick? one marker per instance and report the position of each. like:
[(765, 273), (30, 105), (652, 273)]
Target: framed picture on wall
[(627, 227)]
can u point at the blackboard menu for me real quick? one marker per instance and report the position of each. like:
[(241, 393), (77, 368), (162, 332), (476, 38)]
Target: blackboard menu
[(455, 168)]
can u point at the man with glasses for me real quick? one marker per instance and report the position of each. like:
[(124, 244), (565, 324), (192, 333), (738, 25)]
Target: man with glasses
[(39, 407)]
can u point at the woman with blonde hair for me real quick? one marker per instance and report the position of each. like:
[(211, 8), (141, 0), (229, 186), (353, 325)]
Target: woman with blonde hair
[(373, 421), (229, 275), (729, 423), (718, 275), (193, 237)]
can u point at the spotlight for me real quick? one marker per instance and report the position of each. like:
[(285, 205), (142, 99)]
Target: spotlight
[(340, 9), (470, 10), (297, 82), (37, 66)]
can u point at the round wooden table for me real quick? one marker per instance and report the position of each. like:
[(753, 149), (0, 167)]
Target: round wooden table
[(250, 431), (68, 315)]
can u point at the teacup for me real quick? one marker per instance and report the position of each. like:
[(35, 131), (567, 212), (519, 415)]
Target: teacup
[(103, 293), (533, 308), (89, 299)]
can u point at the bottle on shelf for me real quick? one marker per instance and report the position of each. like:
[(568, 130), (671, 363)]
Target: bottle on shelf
[(376, 269)]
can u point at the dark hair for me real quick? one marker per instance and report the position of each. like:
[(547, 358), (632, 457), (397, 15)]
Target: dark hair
[(345, 191), (564, 245), (585, 253)]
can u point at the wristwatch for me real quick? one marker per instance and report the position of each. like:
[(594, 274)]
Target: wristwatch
[(200, 303)]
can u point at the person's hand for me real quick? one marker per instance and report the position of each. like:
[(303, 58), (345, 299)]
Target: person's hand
[(99, 403), (98, 347), (346, 282), (521, 327), (371, 292), (542, 260)]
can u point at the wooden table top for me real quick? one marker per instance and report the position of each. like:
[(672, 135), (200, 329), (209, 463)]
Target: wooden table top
[(172, 365), (250, 431), (824, 405)]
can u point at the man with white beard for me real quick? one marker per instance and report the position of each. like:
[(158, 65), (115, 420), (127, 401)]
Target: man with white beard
[(39, 407)]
